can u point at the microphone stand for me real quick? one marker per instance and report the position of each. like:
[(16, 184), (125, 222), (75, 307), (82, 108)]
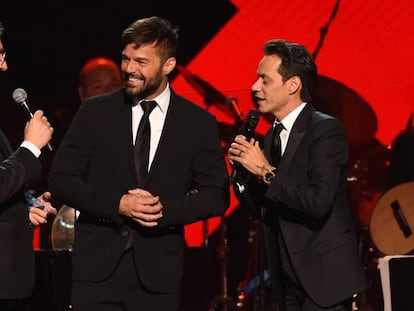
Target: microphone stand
[(256, 278), (260, 294), (222, 302), (257, 285), (205, 232)]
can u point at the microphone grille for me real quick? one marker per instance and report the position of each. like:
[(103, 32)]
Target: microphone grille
[(19, 95), (252, 120)]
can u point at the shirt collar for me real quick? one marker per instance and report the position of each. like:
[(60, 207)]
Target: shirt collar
[(290, 119), (163, 100)]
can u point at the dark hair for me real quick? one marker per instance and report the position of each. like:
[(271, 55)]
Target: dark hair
[(296, 61), (1, 29), (153, 30)]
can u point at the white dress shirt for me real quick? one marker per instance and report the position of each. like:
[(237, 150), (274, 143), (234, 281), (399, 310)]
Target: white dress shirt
[(288, 122), (157, 119)]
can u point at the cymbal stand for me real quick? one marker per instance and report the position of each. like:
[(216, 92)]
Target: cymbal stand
[(222, 302), (205, 232), (256, 277), (260, 293)]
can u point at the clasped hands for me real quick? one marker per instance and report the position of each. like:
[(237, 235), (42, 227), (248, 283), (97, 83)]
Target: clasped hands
[(142, 207)]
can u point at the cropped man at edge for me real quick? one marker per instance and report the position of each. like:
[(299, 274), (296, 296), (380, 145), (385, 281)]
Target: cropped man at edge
[(17, 170), (139, 164), (301, 187)]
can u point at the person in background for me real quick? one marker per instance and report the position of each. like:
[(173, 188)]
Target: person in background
[(137, 186), (298, 181), (17, 170), (97, 76)]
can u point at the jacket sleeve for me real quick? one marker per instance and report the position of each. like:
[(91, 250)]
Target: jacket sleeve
[(21, 168), (210, 178), (69, 178)]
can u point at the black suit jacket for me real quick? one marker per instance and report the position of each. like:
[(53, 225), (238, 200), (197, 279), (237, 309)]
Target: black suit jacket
[(94, 167), (16, 256), (307, 202)]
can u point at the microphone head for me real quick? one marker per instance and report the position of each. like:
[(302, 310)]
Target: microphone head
[(19, 95), (250, 125)]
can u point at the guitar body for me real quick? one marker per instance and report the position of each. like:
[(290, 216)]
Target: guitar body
[(392, 221)]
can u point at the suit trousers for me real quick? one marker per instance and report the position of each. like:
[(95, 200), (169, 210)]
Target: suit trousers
[(121, 291), (295, 297), (297, 300)]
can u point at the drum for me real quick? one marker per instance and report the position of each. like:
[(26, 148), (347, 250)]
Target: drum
[(63, 228), (368, 167)]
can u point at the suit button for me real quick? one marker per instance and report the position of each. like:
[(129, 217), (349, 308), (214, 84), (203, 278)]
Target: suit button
[(125, 233)]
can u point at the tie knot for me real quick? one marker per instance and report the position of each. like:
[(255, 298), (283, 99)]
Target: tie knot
[(278, 128), (148, 106)]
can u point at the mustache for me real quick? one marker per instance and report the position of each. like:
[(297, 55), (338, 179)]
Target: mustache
[(126, 76)]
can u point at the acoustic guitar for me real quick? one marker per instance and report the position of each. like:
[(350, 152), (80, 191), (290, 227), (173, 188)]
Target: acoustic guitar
[(392, 221)]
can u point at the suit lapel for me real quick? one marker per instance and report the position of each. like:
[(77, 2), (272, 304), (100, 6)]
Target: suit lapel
[(124, 125), (296, 135), (294, 139)]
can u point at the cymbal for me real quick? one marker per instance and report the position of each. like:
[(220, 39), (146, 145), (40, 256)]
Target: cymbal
[(211, 95), (334, 98)]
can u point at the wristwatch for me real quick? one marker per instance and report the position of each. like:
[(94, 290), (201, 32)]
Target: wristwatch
[(268, 177), (269, 173)]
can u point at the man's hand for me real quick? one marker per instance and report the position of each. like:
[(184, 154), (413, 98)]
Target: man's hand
[(38, 216), (142, 207), (249, 154), (38, 130)]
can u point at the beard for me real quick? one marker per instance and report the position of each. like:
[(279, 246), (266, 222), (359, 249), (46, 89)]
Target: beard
[(149, 87)]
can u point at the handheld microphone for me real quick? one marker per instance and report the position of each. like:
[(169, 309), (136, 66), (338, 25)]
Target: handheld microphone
[(240, 174), (250, 124), (20, 97)]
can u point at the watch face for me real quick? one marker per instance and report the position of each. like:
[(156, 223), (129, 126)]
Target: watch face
[(268, 177)]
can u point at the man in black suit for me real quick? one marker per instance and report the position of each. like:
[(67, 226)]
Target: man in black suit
[(129, 237), (301, 187), (17, 170)]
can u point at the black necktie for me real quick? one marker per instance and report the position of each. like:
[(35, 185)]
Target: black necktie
[(142, 142), (276, 148)]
